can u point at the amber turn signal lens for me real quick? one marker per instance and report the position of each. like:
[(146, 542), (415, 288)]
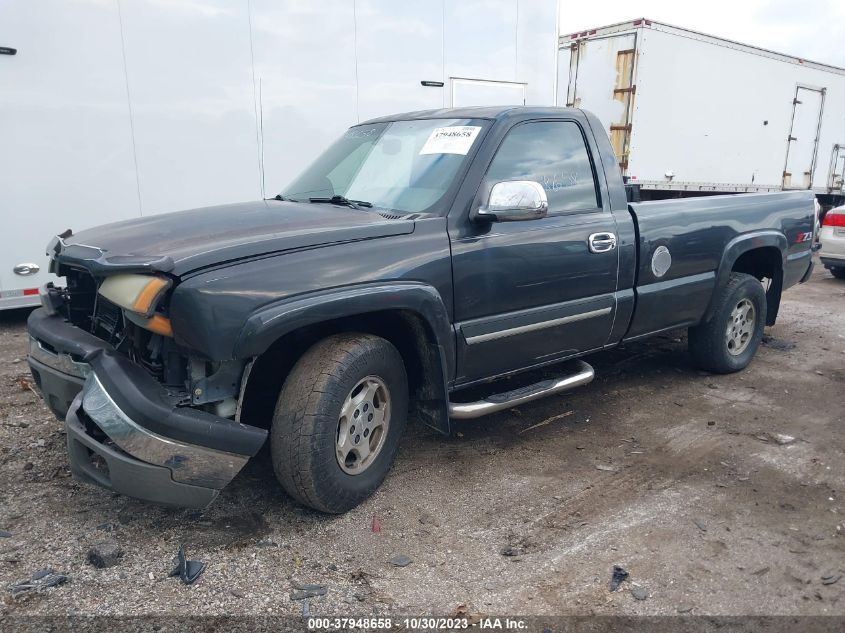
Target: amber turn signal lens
[(160, 325), (148, 297)]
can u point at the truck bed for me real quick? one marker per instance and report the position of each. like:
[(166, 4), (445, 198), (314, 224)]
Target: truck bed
[(700, 234)]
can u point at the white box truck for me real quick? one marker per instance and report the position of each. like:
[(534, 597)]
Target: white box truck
[(112, 110), (691, 114)]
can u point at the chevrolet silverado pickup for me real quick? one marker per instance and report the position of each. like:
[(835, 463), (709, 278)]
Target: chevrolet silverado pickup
[(419, 255)]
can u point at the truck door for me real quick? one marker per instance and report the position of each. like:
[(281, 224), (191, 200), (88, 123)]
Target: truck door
[(601, 79), (803, 141), (534, 291)]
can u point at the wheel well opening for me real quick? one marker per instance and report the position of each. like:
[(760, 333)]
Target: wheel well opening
[(766, 264), (406, 330)]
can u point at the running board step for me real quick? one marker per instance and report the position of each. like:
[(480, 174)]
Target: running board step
[(501, 401)]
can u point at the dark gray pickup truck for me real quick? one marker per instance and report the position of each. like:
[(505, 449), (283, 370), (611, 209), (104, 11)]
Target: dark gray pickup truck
[(420, 254)]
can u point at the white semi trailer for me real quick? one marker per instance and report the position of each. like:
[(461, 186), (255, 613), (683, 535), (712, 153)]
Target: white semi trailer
[(116, 109), (691, 114)]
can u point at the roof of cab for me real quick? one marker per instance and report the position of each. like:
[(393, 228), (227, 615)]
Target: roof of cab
[(475, 112)]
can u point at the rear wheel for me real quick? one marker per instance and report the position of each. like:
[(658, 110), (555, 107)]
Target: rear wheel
[(838, 272), (338, 421), (729, 340)]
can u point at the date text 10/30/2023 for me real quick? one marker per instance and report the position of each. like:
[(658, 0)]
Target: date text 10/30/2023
[(417, 624)]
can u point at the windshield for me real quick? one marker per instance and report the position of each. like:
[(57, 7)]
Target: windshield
[(402, 165)]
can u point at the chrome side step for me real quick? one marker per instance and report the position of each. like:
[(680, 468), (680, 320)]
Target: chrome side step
[(508, 399)]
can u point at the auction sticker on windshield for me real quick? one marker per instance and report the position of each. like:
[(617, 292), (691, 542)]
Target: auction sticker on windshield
[(450, 140)]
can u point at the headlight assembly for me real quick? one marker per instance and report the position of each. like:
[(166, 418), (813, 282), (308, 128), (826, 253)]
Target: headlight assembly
[(139, 296)]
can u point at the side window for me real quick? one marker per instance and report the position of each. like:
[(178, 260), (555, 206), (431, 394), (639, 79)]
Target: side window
[(554, 154)]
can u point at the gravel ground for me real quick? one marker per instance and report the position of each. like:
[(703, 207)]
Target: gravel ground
[(679, 476)]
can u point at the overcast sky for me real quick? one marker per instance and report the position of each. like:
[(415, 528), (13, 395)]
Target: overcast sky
[(812, 29)]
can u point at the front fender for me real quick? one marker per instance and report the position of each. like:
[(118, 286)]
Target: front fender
[(269, 323)]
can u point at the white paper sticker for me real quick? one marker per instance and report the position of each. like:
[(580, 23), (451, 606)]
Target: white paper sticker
[(456, 139)]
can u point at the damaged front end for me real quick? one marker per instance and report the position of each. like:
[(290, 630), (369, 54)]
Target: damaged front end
[(144, 416)]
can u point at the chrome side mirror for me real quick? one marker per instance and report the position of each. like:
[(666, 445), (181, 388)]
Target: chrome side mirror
[(515, 200)]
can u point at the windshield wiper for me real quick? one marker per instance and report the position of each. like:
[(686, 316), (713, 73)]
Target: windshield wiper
[(355, 204)]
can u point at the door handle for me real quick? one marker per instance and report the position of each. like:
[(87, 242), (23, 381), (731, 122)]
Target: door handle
[(601, 242), (26, 269)]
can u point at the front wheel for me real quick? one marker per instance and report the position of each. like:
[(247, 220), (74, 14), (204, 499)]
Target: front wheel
[(728, 341), (838, 271), (338, 421)]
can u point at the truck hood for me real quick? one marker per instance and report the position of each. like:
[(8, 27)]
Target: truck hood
[(178, 243)]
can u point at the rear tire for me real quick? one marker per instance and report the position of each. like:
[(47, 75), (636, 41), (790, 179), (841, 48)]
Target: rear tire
[(338, 421), (728, 341), (838, 272)]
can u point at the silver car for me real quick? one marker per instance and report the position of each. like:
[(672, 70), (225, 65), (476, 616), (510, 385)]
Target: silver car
[(832, 238)]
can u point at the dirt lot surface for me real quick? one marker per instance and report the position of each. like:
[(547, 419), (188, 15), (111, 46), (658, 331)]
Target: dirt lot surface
[(679, 476)]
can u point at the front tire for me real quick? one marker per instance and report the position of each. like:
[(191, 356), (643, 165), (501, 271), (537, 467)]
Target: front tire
[(838, 271), (728, 341), (338, 421)]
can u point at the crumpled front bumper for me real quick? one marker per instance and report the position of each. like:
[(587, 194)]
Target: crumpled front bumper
[(123, 430), (98, 462)]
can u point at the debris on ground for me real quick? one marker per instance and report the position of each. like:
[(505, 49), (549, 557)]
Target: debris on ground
[(429, 519), (777, 438), (511, 551), (5, 534), (304, 591), (700, 524), (830, 579), (639, 592), (105, 554), (778, 344), (607, 467), (460, 611), (376, 525), (546, 421), (400, 560), (39, 582), (187, 570), (620, 574)]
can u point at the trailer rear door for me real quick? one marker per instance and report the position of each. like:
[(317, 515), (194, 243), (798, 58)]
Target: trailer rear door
[(601, 79), (836, 175), (803, 141)]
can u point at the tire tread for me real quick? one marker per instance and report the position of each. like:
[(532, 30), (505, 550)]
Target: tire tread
[(707, 340), (302, 418)]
